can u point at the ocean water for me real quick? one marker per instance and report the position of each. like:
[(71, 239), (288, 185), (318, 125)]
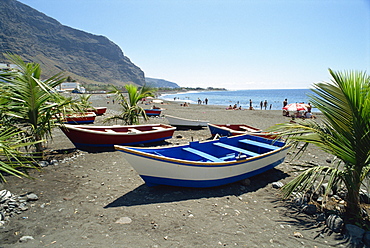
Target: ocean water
[(274, 97)]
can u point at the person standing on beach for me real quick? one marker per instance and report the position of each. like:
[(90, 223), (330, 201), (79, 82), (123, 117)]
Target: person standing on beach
[(265, 104), (285, 112), (206, 101), (250, 104), (309, 107), (261, 104)]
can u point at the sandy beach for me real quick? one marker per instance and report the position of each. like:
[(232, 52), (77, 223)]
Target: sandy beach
[(98, 200)]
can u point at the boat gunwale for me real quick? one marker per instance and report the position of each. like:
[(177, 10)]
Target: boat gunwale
[(80, 115), (190, 120), (224, 127), (81, 128), (259, 133), (134, 151)]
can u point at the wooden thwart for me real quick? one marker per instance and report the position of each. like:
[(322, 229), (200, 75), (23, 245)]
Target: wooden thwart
[(202, 154), (249, 129), (259, 144), (110, 131), (158, 128), (237, 149), (134, 130)]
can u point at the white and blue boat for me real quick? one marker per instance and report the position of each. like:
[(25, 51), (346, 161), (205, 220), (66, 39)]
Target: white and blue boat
[(206, 164)]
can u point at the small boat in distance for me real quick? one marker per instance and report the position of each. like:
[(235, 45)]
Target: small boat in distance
[(98, 110), (206, 164), (237, 129), (80, 118), (153, 112), (103, 138), (185, 123)]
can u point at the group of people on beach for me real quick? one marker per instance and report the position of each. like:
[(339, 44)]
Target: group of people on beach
[(204, 102), (263, 105), (235, 107), (298, 114)]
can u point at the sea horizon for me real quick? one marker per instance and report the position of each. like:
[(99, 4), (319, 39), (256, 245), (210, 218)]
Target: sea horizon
[(274, 97)]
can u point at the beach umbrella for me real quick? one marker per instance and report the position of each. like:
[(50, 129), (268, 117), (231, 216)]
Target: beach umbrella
[(292, 107)]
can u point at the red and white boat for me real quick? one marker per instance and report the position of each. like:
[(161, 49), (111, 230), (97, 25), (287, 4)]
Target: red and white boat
[(238, 129), (102, 138), (99, 110), (80, 118), (153, 112)]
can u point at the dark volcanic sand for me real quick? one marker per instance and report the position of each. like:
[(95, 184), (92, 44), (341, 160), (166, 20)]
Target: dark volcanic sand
[(98, 200)]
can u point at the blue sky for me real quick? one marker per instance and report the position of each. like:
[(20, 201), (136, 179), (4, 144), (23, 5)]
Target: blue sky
[(233, 44)]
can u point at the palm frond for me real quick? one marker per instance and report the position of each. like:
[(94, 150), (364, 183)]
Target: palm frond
[(344, 132), (305, 181), (12, 161)]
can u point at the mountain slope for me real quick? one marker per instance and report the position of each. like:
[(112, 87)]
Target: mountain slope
[(86, 57), (153, 82)]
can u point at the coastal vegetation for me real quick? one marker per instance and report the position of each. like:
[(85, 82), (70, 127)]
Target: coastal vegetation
[(12, 160), (32, 104), (29, 109), (343, 132), (131, 111)]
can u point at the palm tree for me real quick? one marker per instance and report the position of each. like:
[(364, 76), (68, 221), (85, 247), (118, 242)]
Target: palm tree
[(31, 101), (344, 132), (84, 102), (130, 109)]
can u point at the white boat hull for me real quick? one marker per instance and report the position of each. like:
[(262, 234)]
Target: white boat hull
[(177, 121), (157, 170)]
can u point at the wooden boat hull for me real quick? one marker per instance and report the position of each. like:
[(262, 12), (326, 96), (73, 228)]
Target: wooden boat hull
[(153, 112), (103, 138), (186, 123), (158, 169), (86, 118), (99, 110), (237, 129)]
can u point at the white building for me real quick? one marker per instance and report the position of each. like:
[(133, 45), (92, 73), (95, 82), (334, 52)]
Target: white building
[(71, 86)]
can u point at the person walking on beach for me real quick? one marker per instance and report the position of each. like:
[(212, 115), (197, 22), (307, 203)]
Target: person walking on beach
[(250, 104), (261, 104), (265, 104)]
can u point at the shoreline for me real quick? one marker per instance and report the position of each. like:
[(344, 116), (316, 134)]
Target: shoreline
[(241, 98)]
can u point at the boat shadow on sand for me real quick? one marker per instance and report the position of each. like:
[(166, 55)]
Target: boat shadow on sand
[(143, 194)]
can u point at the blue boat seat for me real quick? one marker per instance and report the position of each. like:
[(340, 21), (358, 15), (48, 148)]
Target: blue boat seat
[(237, 149), (157, 153), (259, 144), (229, 157), (202, 154)]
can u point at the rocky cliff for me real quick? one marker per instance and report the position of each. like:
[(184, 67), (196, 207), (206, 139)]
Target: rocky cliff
[(86, 57)]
